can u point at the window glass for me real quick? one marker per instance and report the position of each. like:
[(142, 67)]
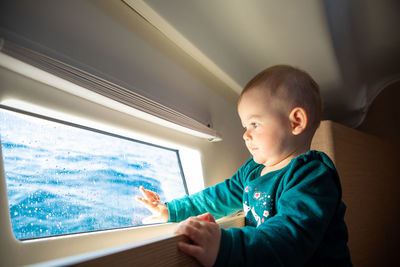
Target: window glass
[(64, 179)]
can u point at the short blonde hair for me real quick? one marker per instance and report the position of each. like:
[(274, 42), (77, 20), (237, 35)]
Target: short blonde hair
[(294, 87)]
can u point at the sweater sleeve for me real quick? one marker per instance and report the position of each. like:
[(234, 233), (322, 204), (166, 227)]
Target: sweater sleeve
[(220, 200), (306, 204)]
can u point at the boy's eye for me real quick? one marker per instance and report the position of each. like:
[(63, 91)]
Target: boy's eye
[(254, 124)]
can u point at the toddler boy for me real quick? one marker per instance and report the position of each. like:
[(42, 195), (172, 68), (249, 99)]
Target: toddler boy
[(291, 196)]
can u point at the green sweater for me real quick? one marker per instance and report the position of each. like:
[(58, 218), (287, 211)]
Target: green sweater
[(294, 216)]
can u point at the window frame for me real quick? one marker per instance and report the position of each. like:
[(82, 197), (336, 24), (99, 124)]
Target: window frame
[(95, 130), (16, 86)]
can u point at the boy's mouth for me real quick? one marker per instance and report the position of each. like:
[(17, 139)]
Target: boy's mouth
[(252, 148)]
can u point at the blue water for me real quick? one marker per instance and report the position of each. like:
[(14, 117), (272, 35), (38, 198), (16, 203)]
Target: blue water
[(62, 179)]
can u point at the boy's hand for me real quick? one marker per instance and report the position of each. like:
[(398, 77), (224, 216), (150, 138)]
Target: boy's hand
[(152, 202), (205, 235)]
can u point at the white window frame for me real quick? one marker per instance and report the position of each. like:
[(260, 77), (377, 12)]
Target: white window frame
[(20, 90)]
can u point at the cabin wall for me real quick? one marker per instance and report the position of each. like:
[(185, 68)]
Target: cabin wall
[(383, 116)]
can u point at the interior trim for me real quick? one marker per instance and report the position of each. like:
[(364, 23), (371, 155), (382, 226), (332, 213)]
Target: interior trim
[(25, 61), (171, 33)]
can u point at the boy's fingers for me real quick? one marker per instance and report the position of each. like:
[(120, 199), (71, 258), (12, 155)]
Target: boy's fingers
[(149, 194), (140, 199), (144, 192), (191, 231), (207, 217), (182, 228), (190, 249), (149, 204)]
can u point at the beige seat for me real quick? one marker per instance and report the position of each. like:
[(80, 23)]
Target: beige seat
[(371, 185)]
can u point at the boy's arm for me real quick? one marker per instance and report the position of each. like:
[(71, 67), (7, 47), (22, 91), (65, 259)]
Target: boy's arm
[(304, 212), (220, 200)]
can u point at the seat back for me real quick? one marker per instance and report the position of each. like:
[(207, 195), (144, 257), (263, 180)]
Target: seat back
[(370, 184)]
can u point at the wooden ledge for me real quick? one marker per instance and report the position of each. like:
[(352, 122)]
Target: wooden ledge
[(162, 251)]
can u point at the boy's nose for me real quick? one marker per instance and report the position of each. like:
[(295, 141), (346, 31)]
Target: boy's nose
[(246, 136)]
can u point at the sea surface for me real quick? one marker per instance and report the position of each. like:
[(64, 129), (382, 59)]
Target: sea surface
[(62, 179)]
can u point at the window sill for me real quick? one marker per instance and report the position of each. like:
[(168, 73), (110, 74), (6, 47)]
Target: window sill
[(160, 251)]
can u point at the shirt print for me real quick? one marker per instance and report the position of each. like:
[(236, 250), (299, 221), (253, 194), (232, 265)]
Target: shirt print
[(257, 206)]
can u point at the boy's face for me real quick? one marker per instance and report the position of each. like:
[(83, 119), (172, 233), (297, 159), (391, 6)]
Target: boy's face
[(267, 127)]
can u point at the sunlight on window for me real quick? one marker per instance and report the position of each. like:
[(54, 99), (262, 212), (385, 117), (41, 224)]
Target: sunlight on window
[(63, 179)]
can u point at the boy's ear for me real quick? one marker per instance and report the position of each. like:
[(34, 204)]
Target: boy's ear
[(298, 120)]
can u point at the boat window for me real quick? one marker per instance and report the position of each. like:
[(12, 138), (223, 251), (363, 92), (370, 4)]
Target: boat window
[(64, 178)]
